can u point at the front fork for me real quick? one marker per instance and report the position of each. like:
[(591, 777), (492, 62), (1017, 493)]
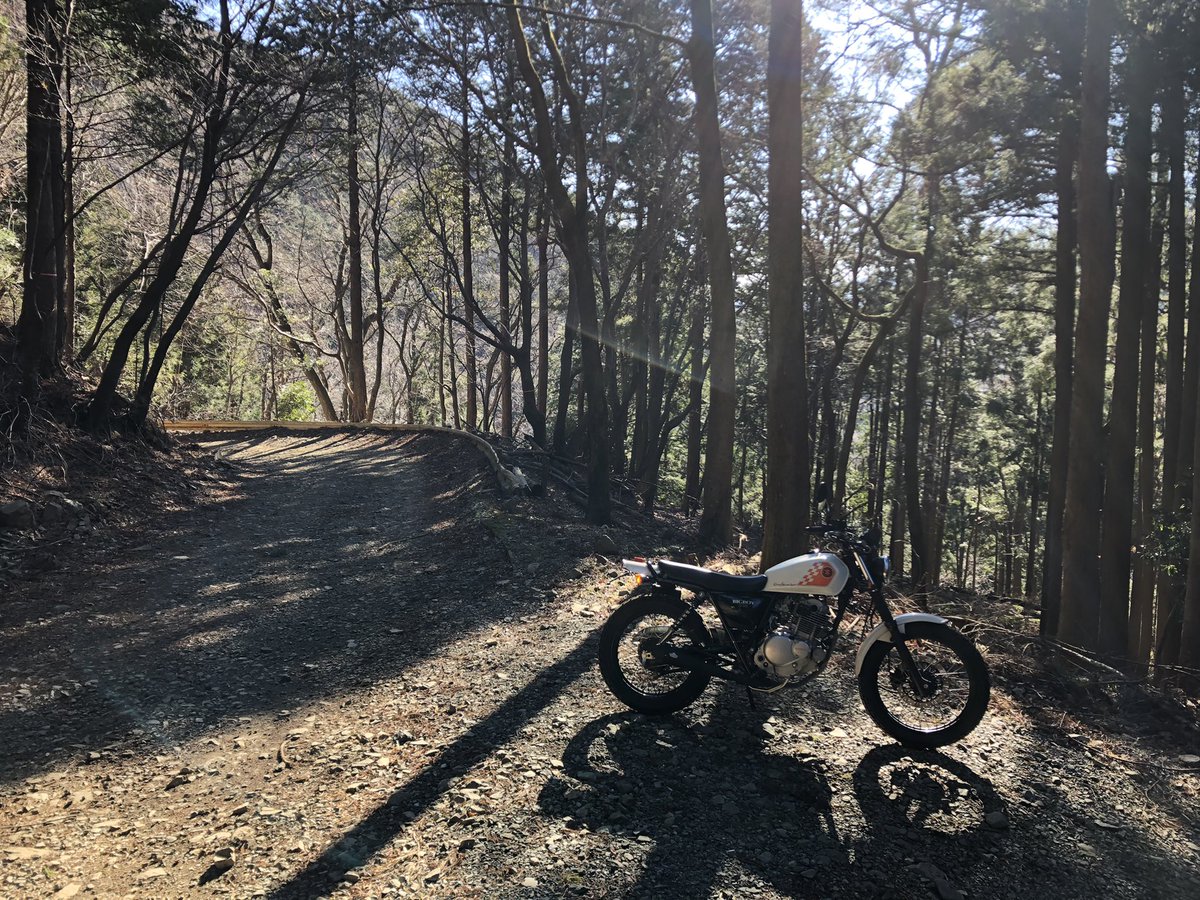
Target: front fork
[(907, 663)]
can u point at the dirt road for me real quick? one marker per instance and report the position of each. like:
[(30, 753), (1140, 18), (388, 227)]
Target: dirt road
[(353, 670)]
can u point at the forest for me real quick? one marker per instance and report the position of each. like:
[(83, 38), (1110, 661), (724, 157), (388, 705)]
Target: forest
[(941, 255)]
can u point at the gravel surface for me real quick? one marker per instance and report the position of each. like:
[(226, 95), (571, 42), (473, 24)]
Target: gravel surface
[(351, 669)]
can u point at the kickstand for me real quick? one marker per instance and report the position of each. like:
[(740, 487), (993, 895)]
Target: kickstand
[(750, 697)]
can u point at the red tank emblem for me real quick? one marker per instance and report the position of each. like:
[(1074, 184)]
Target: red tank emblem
[(818, 575)]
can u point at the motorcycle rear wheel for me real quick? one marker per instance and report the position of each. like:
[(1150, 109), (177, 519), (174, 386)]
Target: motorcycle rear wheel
[(641, 683)]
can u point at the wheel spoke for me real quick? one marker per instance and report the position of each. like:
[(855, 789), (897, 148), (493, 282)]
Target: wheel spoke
[(642, 637), (941, 670)]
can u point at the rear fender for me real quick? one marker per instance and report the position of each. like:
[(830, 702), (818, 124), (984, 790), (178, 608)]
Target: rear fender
[(637, 567), (651, 588), (881, 633)]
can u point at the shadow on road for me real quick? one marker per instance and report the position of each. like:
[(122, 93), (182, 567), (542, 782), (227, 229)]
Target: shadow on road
[(342, 560), (703, 800), (378, 829), (726, 812)]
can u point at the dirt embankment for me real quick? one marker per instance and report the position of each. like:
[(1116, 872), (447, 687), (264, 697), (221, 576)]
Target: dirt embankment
[(67, 496)]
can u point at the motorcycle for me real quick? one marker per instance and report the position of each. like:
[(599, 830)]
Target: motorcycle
[(922, 681)]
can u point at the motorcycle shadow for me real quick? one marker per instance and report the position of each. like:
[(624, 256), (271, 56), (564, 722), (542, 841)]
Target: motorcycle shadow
[(928, 821), (716, 803), (702, 797), (922, 789)]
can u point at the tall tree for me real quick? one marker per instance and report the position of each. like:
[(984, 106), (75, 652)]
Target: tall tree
[(1176, 454), (43, 262), (786, 499), (356, 369), (716, 517), (1070, 51), (1189, 646), (1117, 521), (1079, 616), (1191, 377), (571, 219), (468, 255), (1141, 603)]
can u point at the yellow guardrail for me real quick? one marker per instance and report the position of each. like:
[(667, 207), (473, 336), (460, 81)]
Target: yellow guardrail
[(509, 479)]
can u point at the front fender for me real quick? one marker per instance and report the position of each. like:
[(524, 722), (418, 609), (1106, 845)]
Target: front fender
[(881, 633)]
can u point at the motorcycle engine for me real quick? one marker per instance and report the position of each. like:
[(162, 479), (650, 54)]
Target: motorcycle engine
[(796, 645)]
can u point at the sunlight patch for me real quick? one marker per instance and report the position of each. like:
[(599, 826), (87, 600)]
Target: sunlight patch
[(207, 637), (221, 587)]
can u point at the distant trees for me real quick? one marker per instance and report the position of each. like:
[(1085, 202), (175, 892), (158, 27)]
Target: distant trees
[(572, 224), (245, 104)]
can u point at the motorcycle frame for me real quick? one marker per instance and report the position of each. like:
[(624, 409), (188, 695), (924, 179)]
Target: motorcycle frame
[(862, 580)]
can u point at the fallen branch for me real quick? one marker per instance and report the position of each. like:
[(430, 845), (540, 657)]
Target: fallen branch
[(1016, 601), (573, 492), (1143, 764), (1078, 656)]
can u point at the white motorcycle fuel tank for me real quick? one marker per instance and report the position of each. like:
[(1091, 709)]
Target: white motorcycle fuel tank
[(813, 573)]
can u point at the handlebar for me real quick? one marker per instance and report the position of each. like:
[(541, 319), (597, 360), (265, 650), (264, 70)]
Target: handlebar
[(840, 531), (827, 528)]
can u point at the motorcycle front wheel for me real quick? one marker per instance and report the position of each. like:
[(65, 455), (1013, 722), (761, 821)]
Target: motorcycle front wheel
[(955, 683), (636, 678)]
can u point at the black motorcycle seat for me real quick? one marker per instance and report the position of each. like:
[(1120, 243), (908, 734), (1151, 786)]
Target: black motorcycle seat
[(708, 580)]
